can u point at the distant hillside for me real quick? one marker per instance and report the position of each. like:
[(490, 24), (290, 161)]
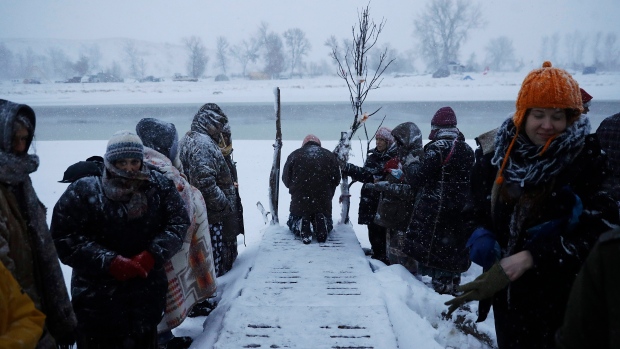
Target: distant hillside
[(160, 59)]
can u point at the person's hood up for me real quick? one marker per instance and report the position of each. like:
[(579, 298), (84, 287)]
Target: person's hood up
[(408, 135), (8, 115), (159, 135), (210, 120)]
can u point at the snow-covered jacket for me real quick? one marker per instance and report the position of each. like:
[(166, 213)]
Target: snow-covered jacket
[(90, 230), (205, 167), (191, 271), (311, 174), (372, 170), (26, 247), (556, 220), (233, 223), (436, 234), (396, 201)]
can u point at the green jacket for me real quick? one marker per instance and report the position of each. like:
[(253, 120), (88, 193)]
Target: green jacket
[(592, 318)]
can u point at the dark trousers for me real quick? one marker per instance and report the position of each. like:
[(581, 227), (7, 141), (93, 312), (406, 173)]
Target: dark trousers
[(377, 235)]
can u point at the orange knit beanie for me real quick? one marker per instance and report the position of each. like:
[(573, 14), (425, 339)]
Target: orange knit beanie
[(547, 87)]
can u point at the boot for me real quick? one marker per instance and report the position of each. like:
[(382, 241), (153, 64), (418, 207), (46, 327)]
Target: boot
[(305, 232), (321, 229)]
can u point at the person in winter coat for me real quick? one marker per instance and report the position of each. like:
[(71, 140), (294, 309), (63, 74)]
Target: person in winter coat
[(190, 272), (117, 231), (233, 224), (311, 174), (608, 134), (435, 236), (21, 324), (586, 99), (26, 248), (206, 169), (369, 199), (538, 213), (592, 318), (396, 196)]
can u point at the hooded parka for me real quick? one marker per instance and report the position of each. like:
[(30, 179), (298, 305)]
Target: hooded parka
[(26, 247), (205, 166)]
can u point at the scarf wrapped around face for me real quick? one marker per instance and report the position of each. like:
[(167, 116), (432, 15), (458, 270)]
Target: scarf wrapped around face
[(527, 163), (125, 186)]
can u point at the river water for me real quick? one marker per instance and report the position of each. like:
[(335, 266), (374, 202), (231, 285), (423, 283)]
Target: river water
[(257, 121)]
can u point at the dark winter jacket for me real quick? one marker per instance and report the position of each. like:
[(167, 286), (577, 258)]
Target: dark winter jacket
[(90, 230), (396, 201), (556, 221), (26, 247), (205, 166), (436, 233), (311, 173), (233, 223), (371, 172), (592, 318)]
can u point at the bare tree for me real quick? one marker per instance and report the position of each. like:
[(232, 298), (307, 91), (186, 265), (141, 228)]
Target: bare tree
[(6, 62), (359, 85), (611, 53), (340, 50), (274, 55), (575, 45), (246, 52), (197, 60), (472, 63), (133, 59), (94, 56), (60, 65), (500, 53), (221, 53), (443, 27), (82, 66), (550, 47), (596, 49), (115, 70), (298, 46)]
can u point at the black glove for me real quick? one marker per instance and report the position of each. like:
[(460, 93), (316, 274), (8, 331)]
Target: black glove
[(483, 287)]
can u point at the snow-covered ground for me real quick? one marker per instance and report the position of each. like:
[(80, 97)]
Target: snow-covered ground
[(414, 309)]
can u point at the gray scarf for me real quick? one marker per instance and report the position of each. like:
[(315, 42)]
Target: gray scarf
[(126, 187)]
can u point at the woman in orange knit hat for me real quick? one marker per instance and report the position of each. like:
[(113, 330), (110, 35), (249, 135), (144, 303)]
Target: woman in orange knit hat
[(533, 222)]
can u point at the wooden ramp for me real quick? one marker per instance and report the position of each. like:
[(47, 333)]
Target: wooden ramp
[(308, 296)]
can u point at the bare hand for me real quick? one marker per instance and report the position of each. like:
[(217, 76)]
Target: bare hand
[(517, 264)]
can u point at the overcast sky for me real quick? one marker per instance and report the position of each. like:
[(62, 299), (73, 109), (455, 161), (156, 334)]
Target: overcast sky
[(524, 21)]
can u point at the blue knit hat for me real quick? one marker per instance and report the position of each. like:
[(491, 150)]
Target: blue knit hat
[(124, 144)]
